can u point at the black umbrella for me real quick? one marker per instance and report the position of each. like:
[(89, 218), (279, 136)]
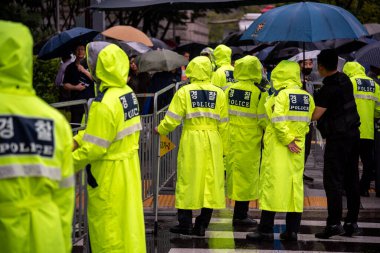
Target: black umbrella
[(160, 60), (65, 42), (193, 48), (369, 55)]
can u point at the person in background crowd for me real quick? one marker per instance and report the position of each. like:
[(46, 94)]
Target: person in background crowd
[(200, 175), (183, 68), (338, 122), (307, 77), (64, 95), (224, 75), (367, 97), (138, 81), (374, 73), (37, 194), (79, 82), (289, 111), (243, 158), (110, 145)]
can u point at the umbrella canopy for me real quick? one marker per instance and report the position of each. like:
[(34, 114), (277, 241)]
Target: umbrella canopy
[(127, 33), (193, 48), (65, 42), (313, 55), (372, 28), (160, 60), (159, 44), (305, 21), (134, 48), (369, 55)]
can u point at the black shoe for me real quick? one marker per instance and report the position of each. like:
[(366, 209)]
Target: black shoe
[(351, 229), (259, 236), (329, 231), (199, 230), (290, 237), (306, 178), (364, 193), (244, 222), (181, 230)]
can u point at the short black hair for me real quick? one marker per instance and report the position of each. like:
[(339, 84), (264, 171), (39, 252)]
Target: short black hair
[(328, 58)]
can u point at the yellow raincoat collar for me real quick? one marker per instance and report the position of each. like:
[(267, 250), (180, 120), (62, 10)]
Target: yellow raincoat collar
[(222, 55), (108, 64), (286, 74), (354, 69), (248, 68), (199, 69), (16, 62)]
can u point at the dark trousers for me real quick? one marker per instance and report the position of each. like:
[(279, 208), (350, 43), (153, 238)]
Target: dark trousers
[(308, 138), (341, 173), (293, 221), (241, 209), (185, 217), (77, 113), (367, 156)]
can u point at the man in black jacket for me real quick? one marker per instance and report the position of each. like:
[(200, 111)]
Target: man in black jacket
[(338, 121)]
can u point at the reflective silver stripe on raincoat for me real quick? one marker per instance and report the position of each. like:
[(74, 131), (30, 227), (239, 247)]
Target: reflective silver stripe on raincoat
[(127, 131), (173, 115), (203, 114), (262, 116), (291, 118), (224, 119), (244, 114), (96, 140), (29, 170), (368, 97), (67, 182)]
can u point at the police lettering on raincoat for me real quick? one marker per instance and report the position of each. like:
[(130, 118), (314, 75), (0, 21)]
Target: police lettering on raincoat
[(200, 169), (36, 168), (243, 159), (224, 75), (289, 113), (110, 144), (367, 98)]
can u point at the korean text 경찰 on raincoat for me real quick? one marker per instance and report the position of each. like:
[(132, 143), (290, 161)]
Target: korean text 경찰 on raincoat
[(202, 107), (36, 169), (243, 159), (281, 174), (110, 144), (224, 75), (367, 98)]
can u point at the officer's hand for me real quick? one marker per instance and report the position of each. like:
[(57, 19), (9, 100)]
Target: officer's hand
[(75, 145), (155, 130), (293, 147)]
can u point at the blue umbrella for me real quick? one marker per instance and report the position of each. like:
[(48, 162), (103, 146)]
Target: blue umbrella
[(306, 22), (65, 42)]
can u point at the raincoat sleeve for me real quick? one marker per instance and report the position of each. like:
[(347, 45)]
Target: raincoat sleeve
[(174, 114), (79, 137), (377, 106), (64, 197), (261, 112), (281, 126), (97, 137), (223, 123), (217, 79)]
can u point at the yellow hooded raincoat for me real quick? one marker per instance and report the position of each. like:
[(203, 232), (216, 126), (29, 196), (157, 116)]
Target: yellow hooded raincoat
[(202, 107), (243, 159), (367, 98), (224, 75), (289, 113), (110, 144), (36, 169)]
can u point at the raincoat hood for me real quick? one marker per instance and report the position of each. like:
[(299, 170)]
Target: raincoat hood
[(199, 69), (248, 68), (222, 55), (16, 62), (286, 74), (108, 64), (352, 69)]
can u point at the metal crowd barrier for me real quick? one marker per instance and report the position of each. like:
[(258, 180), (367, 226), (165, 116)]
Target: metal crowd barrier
[(156, 173)]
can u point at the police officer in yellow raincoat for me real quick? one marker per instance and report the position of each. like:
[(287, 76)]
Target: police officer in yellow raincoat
[(367, 99), (281, 185), (110, 144), (200, 171), (243, 159), (36, 169), (224, 75)]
